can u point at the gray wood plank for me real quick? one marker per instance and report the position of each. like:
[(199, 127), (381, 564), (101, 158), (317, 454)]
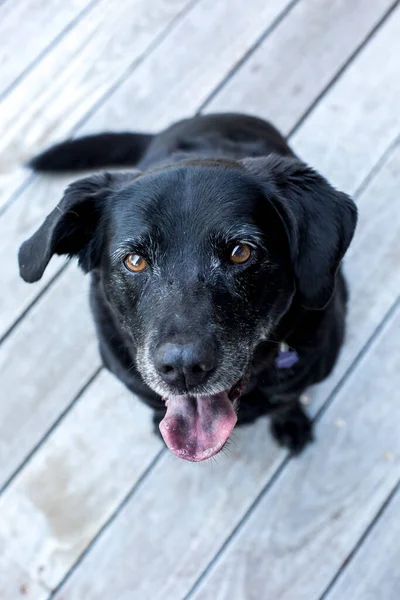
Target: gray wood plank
[(89, 60), (374, 255), (293, 65), (363, 104), (374, 573), (16, 225), (187, 66), (204, 523), (307, 524), (43, 365), (15, 582), (27, 28), (74, 483), (156, 548)]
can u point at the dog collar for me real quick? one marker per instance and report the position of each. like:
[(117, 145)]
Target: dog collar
[(285, 358)]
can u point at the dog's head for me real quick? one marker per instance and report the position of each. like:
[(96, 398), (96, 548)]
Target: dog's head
[(199, 261)]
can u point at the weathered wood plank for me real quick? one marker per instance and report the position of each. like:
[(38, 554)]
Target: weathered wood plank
[(27, 28), (178, 76), (363, 104), (303, 529), (374, 256), (221, 508), (16, 225), (374, 573), (298, 60), (15, 582), (43, 365), (67, 83), (191, 499), (75, 482)]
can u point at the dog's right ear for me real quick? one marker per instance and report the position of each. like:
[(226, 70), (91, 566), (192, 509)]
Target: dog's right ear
[(70, 227), (319, 221)]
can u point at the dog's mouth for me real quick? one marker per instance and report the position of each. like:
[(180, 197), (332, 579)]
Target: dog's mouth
[(197, 427)]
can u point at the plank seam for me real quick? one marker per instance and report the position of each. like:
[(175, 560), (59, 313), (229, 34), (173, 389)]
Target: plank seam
[(52, 44), (138, 484), (14, 196), (352, 554), (21, 316), (344, 67), (275, 23), (378, 166), (136, 63), (48, 433)]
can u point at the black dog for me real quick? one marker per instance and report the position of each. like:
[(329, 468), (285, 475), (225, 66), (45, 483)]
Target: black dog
[(215, 272)]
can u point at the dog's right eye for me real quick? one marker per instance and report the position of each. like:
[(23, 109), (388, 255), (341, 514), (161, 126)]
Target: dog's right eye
[(135, 263), (240, 254)]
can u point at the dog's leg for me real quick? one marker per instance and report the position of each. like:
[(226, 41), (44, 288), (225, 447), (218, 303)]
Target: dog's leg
[(290, 425)]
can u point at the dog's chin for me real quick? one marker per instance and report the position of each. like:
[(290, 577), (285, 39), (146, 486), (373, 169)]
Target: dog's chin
[(197, 426)]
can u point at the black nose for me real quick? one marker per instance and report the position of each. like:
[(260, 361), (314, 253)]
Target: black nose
[(184, 365)]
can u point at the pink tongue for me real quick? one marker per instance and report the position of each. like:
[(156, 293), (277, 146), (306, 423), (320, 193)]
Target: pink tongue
[(196, 428)]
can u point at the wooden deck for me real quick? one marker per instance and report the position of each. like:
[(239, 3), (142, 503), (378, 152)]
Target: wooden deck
[(92, 507)]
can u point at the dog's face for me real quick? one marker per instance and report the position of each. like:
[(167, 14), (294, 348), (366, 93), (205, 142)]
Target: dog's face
[(198, 262), (196, 265)]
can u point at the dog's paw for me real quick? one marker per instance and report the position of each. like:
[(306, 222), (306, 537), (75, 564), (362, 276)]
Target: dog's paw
[(293, 430)]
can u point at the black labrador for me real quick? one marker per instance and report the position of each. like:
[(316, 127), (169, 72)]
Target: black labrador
[(215, 272)]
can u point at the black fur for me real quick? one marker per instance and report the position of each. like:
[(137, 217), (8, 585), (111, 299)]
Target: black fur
[(93, 152), (201, 186)]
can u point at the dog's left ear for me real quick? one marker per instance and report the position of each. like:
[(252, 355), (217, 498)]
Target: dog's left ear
[(71, 227), (319, 220)]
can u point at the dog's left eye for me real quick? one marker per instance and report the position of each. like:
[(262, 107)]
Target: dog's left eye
[(240, 254), (135, 263)]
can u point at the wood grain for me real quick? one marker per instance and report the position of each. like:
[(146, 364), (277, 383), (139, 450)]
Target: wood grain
[(15, 582), (371, 266), (177, 77), (70, 80), (304, 528), (18, 223), (363, 105), (43, 365), (288, 71), (74, 483), (27, 28), (158, 544), (374, 572)]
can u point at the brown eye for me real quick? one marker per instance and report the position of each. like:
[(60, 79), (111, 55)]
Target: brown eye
[(240, 254), (135, 263)]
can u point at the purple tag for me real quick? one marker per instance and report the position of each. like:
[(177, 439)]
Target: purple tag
[(286, 359)]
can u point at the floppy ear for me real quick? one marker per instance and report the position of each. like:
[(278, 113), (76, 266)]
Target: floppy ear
[(319, 221), (70, 228)]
